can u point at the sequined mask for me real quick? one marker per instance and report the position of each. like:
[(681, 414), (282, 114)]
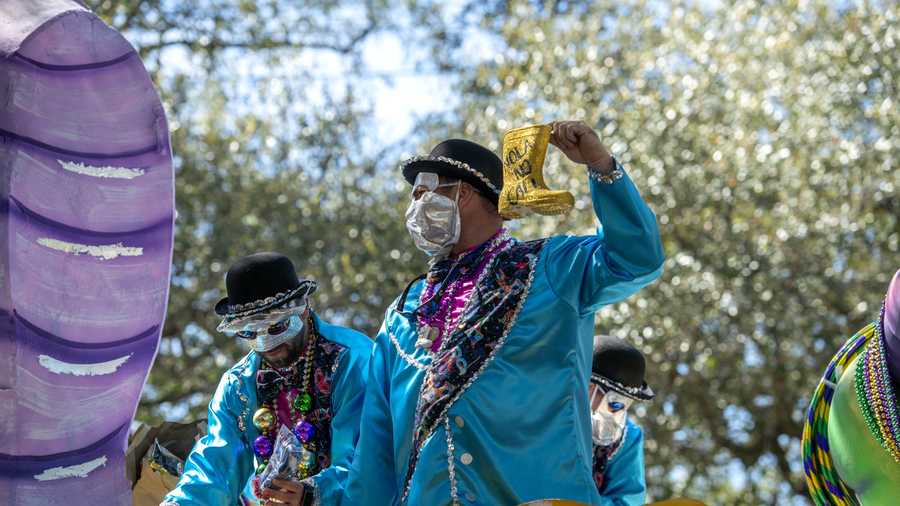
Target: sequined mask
[(609, 418), (269, 331), (274, 336)]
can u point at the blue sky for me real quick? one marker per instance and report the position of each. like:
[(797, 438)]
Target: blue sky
[(397, 79)]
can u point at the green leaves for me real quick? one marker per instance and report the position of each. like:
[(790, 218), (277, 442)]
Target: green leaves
[(268, 156)]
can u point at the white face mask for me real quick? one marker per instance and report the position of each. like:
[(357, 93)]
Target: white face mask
[(433, 219), (608, 420)]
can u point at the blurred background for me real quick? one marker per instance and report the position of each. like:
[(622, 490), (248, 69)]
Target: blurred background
[(765, 136)]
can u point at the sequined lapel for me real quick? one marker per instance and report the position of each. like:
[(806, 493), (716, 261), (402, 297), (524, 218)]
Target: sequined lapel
[(325, 363)]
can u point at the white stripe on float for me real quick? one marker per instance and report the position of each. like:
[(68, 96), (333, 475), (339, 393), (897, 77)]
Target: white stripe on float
[(76, 471), (97, 171), (103, 252), (98, 369)]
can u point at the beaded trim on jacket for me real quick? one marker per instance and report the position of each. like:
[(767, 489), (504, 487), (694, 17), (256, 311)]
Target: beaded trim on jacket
[(607, 178)]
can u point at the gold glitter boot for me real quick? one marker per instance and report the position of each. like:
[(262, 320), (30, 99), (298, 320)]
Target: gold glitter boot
[(524, 190)]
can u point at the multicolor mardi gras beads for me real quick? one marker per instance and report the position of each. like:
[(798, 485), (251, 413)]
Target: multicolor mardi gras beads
[(876, 396), (300, 404)]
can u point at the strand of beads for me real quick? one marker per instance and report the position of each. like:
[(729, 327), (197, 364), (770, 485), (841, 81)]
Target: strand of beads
[(876, 396), (299, 404), (304, 430), (439, 325)]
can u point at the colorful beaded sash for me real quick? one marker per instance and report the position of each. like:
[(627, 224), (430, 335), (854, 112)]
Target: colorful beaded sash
[(490, 313), (825, 485)]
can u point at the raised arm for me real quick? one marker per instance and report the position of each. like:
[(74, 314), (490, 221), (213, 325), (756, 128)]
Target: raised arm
[(626, 252)]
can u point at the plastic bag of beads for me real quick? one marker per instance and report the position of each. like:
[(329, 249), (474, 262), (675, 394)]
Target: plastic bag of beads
[(161, 459), (285, 459)]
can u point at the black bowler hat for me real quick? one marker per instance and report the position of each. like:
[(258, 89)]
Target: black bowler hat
[(259, 282), (620, 367), (461, 159)]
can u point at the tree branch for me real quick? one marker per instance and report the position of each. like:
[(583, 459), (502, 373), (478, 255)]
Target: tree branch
[(262, 45)]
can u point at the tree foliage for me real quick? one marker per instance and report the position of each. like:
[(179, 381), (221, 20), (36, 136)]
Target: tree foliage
[(269, 155)]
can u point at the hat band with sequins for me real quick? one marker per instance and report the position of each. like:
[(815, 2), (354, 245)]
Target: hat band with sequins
[(642, 393), (306, 287)]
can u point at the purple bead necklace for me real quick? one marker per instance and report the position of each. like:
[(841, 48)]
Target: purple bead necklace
[(434, 327)]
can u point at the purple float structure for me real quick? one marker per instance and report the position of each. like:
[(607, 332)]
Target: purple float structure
[(86, 223)]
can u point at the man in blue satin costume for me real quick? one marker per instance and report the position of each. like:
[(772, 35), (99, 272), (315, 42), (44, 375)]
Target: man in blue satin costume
[(478, 383), (302, 372), (617, 382)]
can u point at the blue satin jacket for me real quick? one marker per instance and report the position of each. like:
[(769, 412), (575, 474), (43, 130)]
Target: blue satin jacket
[(222, 462), (520, 430), (623, 482)]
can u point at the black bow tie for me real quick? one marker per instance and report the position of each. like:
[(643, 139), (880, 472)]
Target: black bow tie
[(269, 382)]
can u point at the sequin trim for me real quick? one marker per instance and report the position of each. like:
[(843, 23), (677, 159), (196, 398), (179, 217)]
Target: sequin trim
[(451, 464), (245, 403), (405, 356), (637, 393), (606, 177), (242, 424), (240, 310), (455, 163)]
